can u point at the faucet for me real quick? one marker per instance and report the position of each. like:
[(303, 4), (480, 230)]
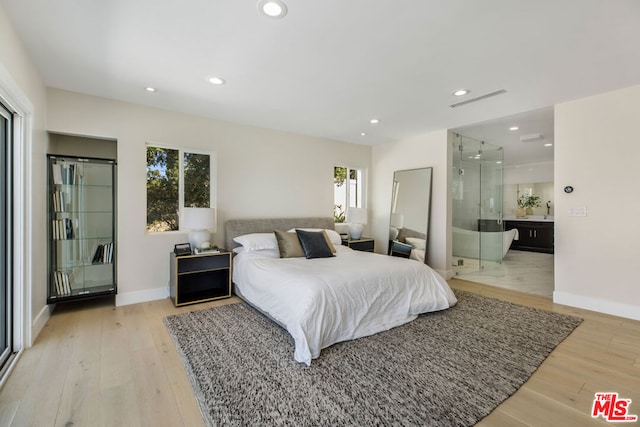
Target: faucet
[(548, 208)]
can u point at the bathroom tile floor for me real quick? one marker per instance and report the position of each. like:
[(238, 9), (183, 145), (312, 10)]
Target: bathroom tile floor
[(523, 271)]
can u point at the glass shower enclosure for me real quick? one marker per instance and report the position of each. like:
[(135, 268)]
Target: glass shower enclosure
[(477, 205)]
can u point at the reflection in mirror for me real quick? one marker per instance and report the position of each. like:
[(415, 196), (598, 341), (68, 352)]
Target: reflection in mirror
[(410, 204), (513, 192)]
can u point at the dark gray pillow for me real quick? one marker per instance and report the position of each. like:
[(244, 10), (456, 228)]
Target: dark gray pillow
[(314, 244)]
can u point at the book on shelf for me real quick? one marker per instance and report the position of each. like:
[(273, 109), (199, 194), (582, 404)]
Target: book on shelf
[(63, 229), (199, 251), (56, 170), (103, 254), (62, 283), (64, 173), (59, 202)]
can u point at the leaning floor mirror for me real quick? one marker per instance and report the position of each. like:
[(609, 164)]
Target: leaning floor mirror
[(410, 206)]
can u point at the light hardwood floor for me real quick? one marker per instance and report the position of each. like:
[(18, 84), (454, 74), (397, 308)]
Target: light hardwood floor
[(99, 365)]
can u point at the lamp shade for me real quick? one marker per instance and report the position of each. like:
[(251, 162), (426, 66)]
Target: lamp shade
[(357, 215), (199, 221), (397, 220), (198, 218)]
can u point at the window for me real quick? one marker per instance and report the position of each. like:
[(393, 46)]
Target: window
[(348, 191), (6, 224), (176, 179)]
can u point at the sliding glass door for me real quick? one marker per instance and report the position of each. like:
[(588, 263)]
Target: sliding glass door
[(6, 259)]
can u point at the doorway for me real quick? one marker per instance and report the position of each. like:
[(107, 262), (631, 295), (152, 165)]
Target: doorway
[(477, 193)]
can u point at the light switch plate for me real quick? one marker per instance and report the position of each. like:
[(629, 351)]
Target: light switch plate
[(581, 211)]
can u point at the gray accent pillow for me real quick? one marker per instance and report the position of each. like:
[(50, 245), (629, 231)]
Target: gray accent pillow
[(288, 244), (314, 244)]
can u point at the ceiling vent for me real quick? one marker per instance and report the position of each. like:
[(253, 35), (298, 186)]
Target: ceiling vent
[(478, 98), (531, 137)]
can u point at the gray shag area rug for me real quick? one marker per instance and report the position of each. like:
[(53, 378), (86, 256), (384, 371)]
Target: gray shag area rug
[(449, 368)]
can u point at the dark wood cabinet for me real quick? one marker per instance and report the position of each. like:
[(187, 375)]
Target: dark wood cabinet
[(364, 244), (199, 278), (535, 236)]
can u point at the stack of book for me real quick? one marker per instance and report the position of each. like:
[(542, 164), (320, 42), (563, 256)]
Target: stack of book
[(59, 201), (103, 254), (64, 173), (62, 229), (61, 281)]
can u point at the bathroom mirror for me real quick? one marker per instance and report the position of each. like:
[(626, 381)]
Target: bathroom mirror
[(410, 206), (544, 190)]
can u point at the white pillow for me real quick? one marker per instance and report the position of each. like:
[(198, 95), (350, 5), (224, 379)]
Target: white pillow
[(257, 241), (417, 243), (334, 237)]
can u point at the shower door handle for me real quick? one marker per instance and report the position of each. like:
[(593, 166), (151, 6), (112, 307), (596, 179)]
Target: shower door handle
[(499, 217)]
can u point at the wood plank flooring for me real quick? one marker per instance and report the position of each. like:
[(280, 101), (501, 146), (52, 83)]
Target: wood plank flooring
[(100, 365)]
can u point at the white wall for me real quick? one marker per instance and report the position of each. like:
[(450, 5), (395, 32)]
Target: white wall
[(596, 152), (429, 150), (532, 172), (22, 88), (260, 173)]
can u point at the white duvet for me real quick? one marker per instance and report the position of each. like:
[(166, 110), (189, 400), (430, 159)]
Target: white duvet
[(327, 300)]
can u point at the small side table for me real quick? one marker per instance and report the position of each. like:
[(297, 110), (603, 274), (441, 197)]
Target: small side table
[(399, 249), (200, 278), (365, 244)]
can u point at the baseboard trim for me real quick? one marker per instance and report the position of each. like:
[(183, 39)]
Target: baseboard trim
[(595, 304), (40, 320), (129, 298)]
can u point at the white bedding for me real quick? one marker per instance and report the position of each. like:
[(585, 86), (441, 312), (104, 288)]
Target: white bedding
[(417, 254), (327, 300)]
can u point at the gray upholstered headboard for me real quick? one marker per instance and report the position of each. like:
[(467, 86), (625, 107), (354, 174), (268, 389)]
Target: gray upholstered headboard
[(238, 227), (407, 232)]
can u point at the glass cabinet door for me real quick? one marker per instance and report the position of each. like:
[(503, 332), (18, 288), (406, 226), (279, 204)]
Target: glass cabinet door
[(81, 228)]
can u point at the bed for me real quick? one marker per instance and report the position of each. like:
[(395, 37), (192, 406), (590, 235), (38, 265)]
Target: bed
[(322, 301)]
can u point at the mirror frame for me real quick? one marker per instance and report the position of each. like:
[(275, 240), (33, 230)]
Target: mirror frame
[(397, 244)]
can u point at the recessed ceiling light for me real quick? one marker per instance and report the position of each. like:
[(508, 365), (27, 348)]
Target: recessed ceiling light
[(461, 92), (216, 81), (363, 134), (548, 145), (273, 8), (374, 121), (498, 162), (150, 89), (514, 128)]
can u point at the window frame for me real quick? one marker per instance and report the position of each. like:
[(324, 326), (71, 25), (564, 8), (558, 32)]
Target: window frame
[(181, 193), (347, 184)]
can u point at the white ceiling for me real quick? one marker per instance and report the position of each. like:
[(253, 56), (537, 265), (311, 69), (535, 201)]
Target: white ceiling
[(329, 66)]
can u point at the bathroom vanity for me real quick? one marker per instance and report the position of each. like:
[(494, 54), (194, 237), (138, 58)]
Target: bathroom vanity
[(534, 233)]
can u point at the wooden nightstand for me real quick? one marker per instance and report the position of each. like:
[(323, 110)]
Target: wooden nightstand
[(199, 278), (365, 244)]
